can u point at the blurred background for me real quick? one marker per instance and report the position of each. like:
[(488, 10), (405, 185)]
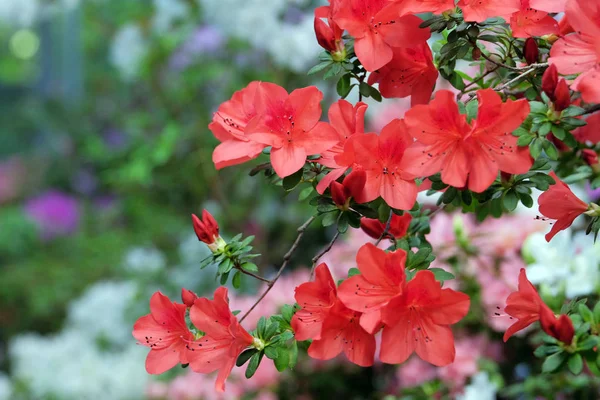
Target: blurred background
[(105, 153)]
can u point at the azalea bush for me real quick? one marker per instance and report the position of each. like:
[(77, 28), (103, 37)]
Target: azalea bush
[(513, 126)]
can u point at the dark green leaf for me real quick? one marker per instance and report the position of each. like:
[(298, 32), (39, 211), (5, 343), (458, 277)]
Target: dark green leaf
[(536, 148), (319, 67), (511, 200), (236, 281), (344, 86), (525, 139), (283, 359), (291, 181), (441, 275), (253, 364), (245, 356), (575, 364), (550, 150), (261, 327), (271, 352), (330, 218), (250, 267), (553, 362)]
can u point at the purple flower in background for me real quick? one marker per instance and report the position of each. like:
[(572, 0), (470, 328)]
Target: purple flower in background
[(204, 40), (594, 194), (55, 213), (115, 140)]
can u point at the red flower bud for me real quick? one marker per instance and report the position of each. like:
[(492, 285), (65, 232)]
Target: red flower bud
[(590, 156), (476, 53), (531, 51), (398, 226), (560, 328), (325, 35), (188, 297), (550, 81), (338, 193), (562, 96), (206, 229)]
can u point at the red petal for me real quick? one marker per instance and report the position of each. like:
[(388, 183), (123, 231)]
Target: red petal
[(287, 159)]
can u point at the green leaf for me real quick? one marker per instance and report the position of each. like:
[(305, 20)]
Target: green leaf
[(559, 132), (305, 193), (271, 352), (520, 131), (553, 362), (236, 281), (525, 139), (225, 266), (319, 67), (588, 343), (330, 218), (457, 81), (545, 350), (510, 200), (472, 108), (374, 93), (271, 330), (250, 267), (538, 107), (526, 199), (572, 111), (586, 313), (536, 148), (261, 327), (342, 225), (575, 364), (245, 356), (574, 122), (550, 150), (353, 271), (441, 275), (344, 86), (287, 312), (293, 354), (253, 364), (291, 181), (597, 312), (283, 359), (364, 89)]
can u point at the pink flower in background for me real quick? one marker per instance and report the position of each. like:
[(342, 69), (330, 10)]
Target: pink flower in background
[(55, 213), (499, 237), (414, 372), (443, 233)]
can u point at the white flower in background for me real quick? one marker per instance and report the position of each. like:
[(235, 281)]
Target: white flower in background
[(128, 50), (480, 388), (192, 251), (261, 22), (5, 387), (144, 260), (568, 263), (69, 366), (166, 12), (22, 13), (100, 312)]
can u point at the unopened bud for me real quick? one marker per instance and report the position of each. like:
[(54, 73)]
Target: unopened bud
[(562, 96), (188, 297), (550, 81), (531, 51)]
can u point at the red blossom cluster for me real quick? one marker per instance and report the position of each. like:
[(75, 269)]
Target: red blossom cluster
[(414, 315)]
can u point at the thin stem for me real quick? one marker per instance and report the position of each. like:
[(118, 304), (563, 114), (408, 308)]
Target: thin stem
[(515, 79), (592, 109), (322, 253), (286, 259), (243, 271)]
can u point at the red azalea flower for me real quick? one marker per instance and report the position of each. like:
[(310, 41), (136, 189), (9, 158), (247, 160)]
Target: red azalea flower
[(188, 297), (561, 204), (329, 35), (376, 28), (380, 157), (578, 52), (223, 341), (353, 185), (560, 328), (480, 10), (551, 6), (467, 154), (591, 131), (316, 299), (529, 21), (163, 330), (382, 278), (418, 321), (341, 331), (332, 326), (525, 305), (229, 125), (347, 120), (550, 81), (590, 157), (207, 229), (564, 26), (410, 73), (562, 96), (398, 226), (425, 6), (290, 124)]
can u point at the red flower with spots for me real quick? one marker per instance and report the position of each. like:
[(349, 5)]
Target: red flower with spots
[(381, 156), (316, 299), (163, 330), (524, 305), (223, 341), (561, 204), (398, 226), (347, 120), (229, 126), (381, 279), (480, 10), (410, 73), (419, 321), (333, 327), (376, 26), (290, 125), (424, 6), (579, 53), (529, 21), (468, 154)]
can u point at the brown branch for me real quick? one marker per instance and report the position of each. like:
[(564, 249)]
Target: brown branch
[(286, 259), (592, 109), (243, 271), (515, 79), (322, 253), (386, 230)]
